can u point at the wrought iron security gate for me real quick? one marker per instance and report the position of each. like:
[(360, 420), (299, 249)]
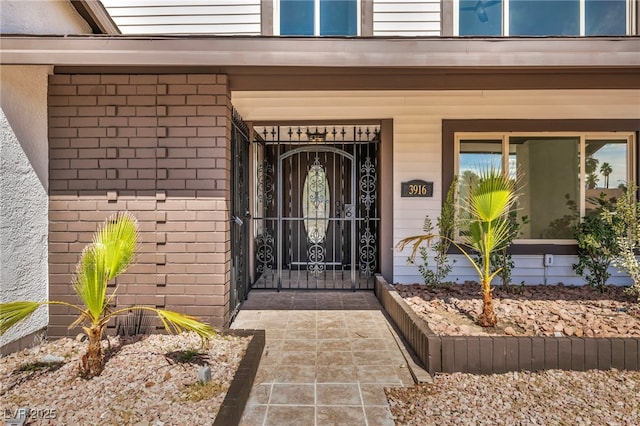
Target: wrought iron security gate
[(316, 222), (239, 213)]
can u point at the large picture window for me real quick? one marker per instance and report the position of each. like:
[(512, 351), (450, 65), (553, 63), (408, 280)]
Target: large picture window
[(559, 174), (317, 17), (543, 17)]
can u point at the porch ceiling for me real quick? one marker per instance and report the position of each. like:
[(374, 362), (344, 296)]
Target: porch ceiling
[(255, 63)]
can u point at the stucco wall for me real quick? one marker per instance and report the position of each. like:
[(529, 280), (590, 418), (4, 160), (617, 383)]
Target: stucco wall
[(417, 145), (40, 17), (23, 191)]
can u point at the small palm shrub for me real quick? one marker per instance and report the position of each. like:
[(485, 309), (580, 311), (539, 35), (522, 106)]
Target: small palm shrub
[(108, 256), (486, 230), (501, 260)]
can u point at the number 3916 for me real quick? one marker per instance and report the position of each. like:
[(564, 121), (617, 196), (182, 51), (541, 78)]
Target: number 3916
[(417, 189)]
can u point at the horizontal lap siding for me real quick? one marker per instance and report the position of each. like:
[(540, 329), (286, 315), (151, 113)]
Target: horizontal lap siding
[(227, 17), (417, 123), (157, 146), (406, 18)]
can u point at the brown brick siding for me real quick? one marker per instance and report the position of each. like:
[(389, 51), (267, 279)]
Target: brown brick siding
[(159, 147)]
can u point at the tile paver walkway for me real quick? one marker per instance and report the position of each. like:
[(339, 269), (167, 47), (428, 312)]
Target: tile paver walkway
[(327, 358)]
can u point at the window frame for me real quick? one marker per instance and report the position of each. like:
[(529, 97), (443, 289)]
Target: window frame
[(505, 137), (316, 20), (631, 20), (454, 130)]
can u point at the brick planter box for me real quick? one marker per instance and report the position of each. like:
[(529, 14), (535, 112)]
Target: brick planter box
[(499, 354), (234, 402)]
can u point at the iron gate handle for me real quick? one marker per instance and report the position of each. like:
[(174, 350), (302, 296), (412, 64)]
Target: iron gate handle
[(349, 211)]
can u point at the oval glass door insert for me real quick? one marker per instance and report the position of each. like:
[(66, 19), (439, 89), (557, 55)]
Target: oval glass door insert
[(315, 203)]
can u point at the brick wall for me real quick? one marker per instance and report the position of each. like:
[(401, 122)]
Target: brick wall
[(159, 147)]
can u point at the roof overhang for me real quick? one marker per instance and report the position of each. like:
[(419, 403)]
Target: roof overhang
[(340, 63), (95, 14)]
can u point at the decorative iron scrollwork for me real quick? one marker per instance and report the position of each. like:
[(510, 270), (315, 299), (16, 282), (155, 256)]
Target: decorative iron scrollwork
[(316, 202), (264, 252), (368, 195), (368, 184), (265, 183), (367, 253), (315, 255)]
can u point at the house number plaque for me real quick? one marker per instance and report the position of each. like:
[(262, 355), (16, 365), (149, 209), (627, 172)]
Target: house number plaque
[(417, 188)]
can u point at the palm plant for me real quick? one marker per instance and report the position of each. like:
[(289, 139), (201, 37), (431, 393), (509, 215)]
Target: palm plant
[(108, 256), (606, 170), (487, 204)]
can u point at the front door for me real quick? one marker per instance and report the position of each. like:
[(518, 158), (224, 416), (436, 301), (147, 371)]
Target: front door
[(316, 225)]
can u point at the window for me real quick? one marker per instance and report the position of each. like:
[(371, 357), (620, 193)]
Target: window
[(543, 17), (558, 174), (317, 17)]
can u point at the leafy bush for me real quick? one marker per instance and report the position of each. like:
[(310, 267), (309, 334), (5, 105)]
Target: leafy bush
[(501, 260), (625, 221), (597, 246), (446, 226)]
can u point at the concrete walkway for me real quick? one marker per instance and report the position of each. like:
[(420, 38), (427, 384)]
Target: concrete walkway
[(327, 358)]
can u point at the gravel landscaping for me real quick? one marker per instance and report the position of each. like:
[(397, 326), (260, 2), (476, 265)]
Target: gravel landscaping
[(524, 398), (147, 380), (551, 397), (527, 311)]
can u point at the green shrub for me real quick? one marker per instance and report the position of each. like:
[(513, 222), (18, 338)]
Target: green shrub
[(625, 221), (501, 260), (597, 247), (446, 226)]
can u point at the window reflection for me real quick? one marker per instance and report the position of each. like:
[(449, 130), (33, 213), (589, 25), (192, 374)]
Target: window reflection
[(476, 156), (605, 17), (548, 168), (542, 17), (606, 171)]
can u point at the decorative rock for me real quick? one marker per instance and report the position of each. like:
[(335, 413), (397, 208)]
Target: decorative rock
[(52, 359), (569, 331), (542, 312), (563, 315), (204, 374), (509, 331), (120, 388)]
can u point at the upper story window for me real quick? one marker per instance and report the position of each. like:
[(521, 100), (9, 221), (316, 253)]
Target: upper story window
[(317, 17), (542, 17)]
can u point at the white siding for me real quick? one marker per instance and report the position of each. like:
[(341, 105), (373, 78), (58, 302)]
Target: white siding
[(417, 120), (406, 18), (221, 17)]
